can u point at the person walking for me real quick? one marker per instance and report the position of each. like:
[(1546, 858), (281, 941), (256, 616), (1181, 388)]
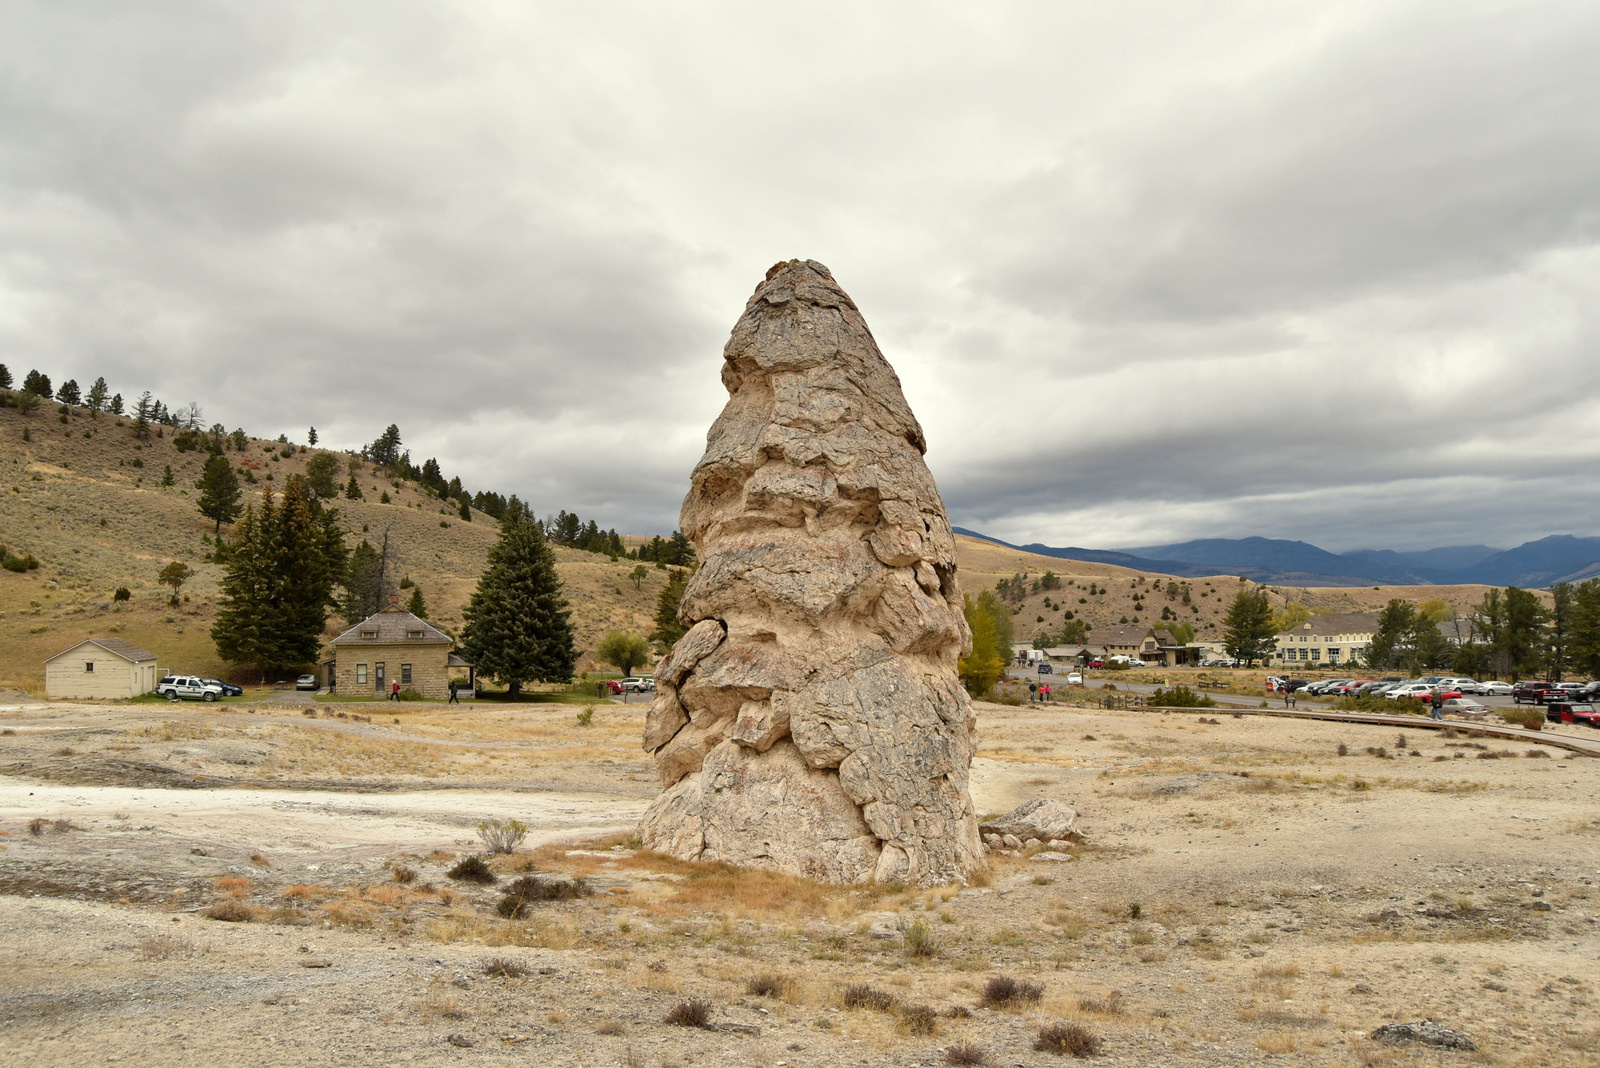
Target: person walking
[(1437, 701), (1048, 690), (453, 700), (1033, 692), (394, 692)]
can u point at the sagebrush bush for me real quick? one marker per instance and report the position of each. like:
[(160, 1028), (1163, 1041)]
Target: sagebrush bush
[(965, 1053), (917, 1020), (691, 1013), (1005, 991), (918, 937), (768, 985), (504, 968), (472, 869), (230, 910), (1180, 697), (1068, 1039), (502, 836), (864, 996)]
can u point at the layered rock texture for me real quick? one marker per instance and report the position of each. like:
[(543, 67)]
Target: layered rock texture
[(811, 720)]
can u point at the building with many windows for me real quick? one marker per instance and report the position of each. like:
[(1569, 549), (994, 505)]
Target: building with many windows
[(1327, 640), (394, 646)]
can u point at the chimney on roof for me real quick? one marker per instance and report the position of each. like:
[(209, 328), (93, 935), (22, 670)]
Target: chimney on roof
[(394, 600)]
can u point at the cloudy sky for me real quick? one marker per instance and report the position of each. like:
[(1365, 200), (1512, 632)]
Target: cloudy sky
[(1148, 271)]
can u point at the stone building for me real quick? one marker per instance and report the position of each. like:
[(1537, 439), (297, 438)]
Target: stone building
[(394, 646), (101, 667), (1328, 639)]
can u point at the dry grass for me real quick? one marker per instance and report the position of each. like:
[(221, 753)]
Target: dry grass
[(165, 947)]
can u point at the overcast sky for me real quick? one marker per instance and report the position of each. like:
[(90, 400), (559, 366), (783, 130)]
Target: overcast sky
[(1148, 271)]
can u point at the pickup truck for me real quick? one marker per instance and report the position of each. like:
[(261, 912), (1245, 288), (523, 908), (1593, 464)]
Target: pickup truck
[(1530, 691), (178, 687)]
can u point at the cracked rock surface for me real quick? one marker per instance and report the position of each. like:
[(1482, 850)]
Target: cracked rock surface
[(811, 720)]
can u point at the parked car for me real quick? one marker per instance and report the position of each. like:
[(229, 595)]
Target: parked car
[(1530, 691), (187, 687), (1494, 688), (1465, 706), (1096, 662), (638, 684), (1134, 661), (228, 688), (1418, 690), (612, 685), (1074, 679), (1572, 712), (1569, 691), (1046, 669), (306, 682)]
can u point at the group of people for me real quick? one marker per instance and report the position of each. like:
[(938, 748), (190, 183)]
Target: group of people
[(1039, 691)]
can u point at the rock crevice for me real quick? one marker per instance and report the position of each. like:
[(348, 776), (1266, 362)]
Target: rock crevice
[(811, 719)]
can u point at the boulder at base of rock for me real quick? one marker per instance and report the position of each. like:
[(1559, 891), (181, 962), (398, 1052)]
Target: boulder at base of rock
[(1040, 818)]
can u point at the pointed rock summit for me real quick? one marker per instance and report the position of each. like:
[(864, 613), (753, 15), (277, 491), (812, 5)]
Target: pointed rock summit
[(811, 721)]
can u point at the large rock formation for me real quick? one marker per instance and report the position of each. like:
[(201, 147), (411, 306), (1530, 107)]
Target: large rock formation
[(811, 720)]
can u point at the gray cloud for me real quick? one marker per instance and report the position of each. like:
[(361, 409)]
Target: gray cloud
[(1147, 271)]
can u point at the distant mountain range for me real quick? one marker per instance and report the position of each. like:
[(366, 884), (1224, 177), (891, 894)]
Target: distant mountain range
[(1533, 565)]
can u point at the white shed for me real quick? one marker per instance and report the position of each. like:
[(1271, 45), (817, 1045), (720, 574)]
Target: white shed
[(101, 667)]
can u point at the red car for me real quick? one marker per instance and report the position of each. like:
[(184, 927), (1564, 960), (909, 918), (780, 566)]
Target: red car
[(1570, 712), (1096, 662), (613, 685)]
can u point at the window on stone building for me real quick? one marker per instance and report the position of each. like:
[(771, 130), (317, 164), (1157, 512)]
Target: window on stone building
[(361, 674), (405, 674)]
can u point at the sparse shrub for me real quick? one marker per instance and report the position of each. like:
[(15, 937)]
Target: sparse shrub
[(691, 1013), (918, 937), (472, 869), (1003, 991), (1536, 753), (917, 1020), (164, 947), (504, 968), (965, 1053), (1528, 718), (586, 717), (403, 875), (502, 836), (36, 826), (122, 594), (230, 910), (1110, 1005), (1344, 750), (768, 985), (1067, 1039), (865, 996), (1135, 910), (529, 889), (1180, 697)]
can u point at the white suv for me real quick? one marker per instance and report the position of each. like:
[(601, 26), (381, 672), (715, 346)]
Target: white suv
[(634, 684), (175, 687)]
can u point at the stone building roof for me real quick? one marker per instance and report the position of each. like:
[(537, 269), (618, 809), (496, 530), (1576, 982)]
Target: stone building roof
[(1104, 636), (393, 626), (1332, 623), (116, 646)]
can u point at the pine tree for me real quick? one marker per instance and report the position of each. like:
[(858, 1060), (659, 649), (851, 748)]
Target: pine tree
[(167, 478), (363, 583), (321, 471), (38, 385), (97, 395), (669, 628), (311, 436), (1247, 628), (416, 605), (518, 625), (219, 491), (68, 393), (143, 412), (115, 407), (5, 377), (466, 510), (352, 490)]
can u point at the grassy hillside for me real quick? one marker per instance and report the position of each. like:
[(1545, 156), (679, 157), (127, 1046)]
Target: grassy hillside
[(74, 498)]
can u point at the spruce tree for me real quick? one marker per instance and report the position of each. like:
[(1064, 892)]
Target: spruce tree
[(68, 393), (115, 407), (363, 583), (311, 436), (352, 490), (466, 510), (1247, 628), (219, 491), (167, 478), (518, 625), (668, 627), (5, 377), (416, 605), (283, 564)]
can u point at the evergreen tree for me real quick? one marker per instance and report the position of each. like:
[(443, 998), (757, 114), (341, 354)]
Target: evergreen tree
[(311, 436), (5, 377), (668, 627), (144, 411), (1247, 628), (1585, 644), (115, 407), (283, 563), (167, 478), (1558, 636), (1393, 639), (363, 583), (321, 470), (518, 624), (97, 395), (416, 605), (352, 490), (638, 574), (466, 510), (68, 393), (385, 452), (38, 385), (1520, 636), (219, 491)]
